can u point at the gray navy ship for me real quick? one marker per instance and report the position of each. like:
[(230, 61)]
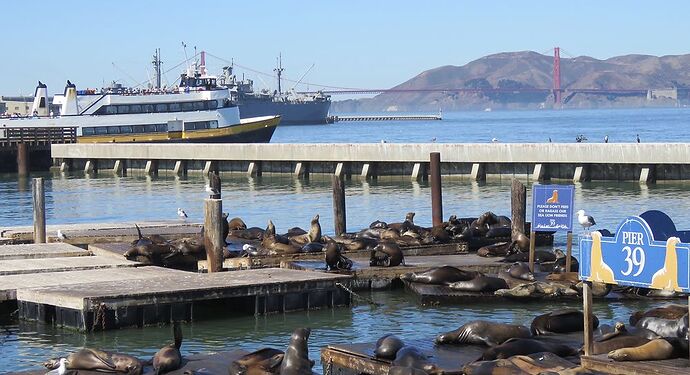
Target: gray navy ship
[(293, 108)]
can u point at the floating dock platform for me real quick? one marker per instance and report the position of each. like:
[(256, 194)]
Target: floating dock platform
[(601, 363), (40, 265), (180, 296), (41, 250), (339, 118)]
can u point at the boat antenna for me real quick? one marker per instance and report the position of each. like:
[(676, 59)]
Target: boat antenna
[(184, 48), (157, 67), (279, 70), (303, 75)]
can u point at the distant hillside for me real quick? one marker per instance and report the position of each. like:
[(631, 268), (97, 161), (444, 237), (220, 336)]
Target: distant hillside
[(533, 70)]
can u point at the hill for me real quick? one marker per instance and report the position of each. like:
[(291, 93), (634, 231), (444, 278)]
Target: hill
[(527, 69)]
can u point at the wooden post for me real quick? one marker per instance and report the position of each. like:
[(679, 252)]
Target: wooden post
[(213, 234), (339, 204), (23, 159), (587, 311), (532, 238), (435, 182), (518, 207), (569, 251), (214, 183), (39, 210)]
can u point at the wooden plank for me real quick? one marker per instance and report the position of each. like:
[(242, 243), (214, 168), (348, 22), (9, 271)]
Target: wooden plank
[(180, 287), (30, 266), (10, 283), (114, 250), (665, 367), (42, 250)]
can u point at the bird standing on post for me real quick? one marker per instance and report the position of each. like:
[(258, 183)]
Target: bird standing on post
[(585, 220), (638, 138), (606, 138), (61, 236), (181, 214), (210, 190)]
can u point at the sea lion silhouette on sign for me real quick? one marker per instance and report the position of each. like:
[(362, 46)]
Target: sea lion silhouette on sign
[(599, 270)]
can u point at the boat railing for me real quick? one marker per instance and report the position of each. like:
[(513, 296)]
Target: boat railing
[(10, 136)]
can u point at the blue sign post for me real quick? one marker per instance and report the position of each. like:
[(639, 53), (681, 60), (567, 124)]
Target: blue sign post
[(552, 208)]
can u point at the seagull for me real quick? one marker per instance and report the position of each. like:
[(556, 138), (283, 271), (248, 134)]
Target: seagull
[(61, 236), (60, 370), (585, 220), (606, 138), (249, 250), (210, 190), (383, 141), (638, 138), (433, 140), (494, 139), (181, 213)]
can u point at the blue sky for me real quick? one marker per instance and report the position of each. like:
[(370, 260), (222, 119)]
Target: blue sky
[(366, 44)]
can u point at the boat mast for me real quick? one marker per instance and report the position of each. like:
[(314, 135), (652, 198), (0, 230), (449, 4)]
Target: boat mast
[(157, 67), (279, 70)]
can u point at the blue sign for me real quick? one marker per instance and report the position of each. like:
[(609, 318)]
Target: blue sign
[(552, 208), (633, 257)]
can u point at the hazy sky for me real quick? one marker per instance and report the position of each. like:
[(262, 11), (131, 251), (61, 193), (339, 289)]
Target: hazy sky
[(353, 43)]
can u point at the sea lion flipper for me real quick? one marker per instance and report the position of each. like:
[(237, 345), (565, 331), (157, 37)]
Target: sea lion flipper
[(138, 231), (275, 361)]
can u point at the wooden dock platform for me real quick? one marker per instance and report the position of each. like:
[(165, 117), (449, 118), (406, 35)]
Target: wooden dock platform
[(34, 266), (41, 250), (601, 363), (180, 296), (368, 277)]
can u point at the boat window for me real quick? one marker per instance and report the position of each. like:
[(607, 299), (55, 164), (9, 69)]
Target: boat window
[(113, 130), (188, 106), (135, 108), (126, 129), (198, 106), (212, 104), (174, 107), (111, 109), (100, 130), (150, 128), (161, 108), (162, 127), (87, 131), (213, 124), (147, 108), (138, 128), (122, 109)]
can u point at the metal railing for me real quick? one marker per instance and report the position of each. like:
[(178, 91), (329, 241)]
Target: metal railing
[(10, 136)]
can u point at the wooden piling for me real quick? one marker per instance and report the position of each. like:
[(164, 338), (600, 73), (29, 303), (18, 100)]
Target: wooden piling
[(38, 194), (569, 251), (532, 239), (339, 204), (213, 234), (518, 207), (587, 311), (435, 182), (23, 159), (214, 183)]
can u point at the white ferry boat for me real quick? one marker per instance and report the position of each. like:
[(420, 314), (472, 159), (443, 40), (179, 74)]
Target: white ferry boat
[(196, 111)]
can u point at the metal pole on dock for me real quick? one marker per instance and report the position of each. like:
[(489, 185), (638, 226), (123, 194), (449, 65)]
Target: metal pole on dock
[(339, 204), (518, 207), (213, 234), (22, 159), (38, 195), (435, 182)]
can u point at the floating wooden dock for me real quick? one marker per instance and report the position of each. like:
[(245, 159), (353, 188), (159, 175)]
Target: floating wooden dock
[(368, 277), (33, 266), (41, 250), (182, 296), (601, 363), (339, 118)]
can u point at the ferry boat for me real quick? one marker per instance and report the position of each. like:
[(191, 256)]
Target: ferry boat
[(196, 111)]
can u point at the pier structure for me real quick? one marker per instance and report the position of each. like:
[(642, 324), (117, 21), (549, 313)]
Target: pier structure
[(645, 162), (340, 118), (30, 146)]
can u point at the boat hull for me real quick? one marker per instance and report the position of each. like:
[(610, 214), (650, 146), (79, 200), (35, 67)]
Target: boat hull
[(291, 113)]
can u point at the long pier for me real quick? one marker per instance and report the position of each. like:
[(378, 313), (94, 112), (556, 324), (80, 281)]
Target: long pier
[(339, 118), (645, 162)]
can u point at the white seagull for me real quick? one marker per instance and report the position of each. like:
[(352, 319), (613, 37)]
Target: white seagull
[(61, 236), (210, 190), (60, 370), (181, 213), (585, 220), (494, 140)]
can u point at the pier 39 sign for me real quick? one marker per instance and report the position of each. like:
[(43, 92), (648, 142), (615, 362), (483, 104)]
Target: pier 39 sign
[(552, 208), (633, 257)]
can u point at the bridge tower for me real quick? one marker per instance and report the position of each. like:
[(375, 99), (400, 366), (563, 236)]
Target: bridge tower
[(557, 77)]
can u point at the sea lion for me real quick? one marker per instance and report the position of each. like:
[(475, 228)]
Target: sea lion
[(389, 234), (523, 346), (537, 363), (261, 362), (97, 360), (521, 241), (334, 258), (671, 311), (656, 349), (619, 338), (495, 250), (559, 264), (537, 289), (314, 234), (270, 241), (144, 246), (386, 254), (598, 289), (296, 360), (169, 357), (520, 270), (225, 227), (564, 321), (487, 218), (481, 283), (387, 346), (666, 327), (411, 357), (312, 247), (253, 233), (354, 244), (378, 224), (482, 332), (236, 224), (498, 231), (443, 275), (439, 234)]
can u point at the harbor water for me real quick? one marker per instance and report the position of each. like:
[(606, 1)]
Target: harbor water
[(289, 202)]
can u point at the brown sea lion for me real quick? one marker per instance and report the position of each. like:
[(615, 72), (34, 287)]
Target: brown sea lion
[(314, 234), (335, 260), (564, 321), (387, 346), (495, 250), (480, 283), (169, 357), (236, 224), (537, 289), (296, 360), (671, 311), (253, 233), (405, 225), (411, 357), (522, 346), (261, 362), (443, 275), (378, 224), (537, 363), (521, 241), (487, 218), (439, 234), (598, 289), (482, 332), (498, 231), (665, 327), (386, 254), (97, 360), (654, 350)]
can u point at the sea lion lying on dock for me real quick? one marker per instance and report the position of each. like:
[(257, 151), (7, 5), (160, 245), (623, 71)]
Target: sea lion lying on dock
[(537, 363), (665, 327), (522, 346), (482, 332), (671, 311), (537, 289), (387, 346), (517, 274), (619, 338), (443, 275), (481, 283), (386, 254), (563, 321), (409, 360), (96, 360), (236, 223), (654, 350), (264, 361)]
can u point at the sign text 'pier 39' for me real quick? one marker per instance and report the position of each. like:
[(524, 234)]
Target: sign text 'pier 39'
[(633, 257)]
